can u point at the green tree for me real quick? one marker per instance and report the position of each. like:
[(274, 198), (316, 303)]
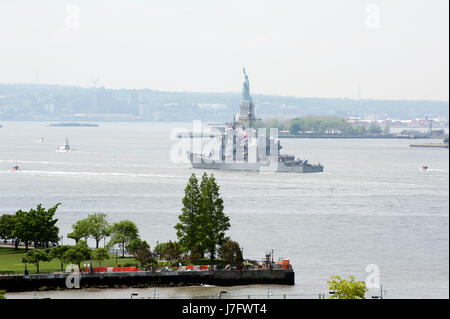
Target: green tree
[(45, 228), (214, 222), (58, 253), (37, 226), (7, 224), (77, 254), (202, 223), (144, 256), (231, 252), (36, 256), (187, 229), (346, 289), (122, 233), (134, 245), (81, 230), (195, 255), (170, 251), (387, 129), (23, 228), (2, 294), (100, 255), (374, 128), (98, 227)]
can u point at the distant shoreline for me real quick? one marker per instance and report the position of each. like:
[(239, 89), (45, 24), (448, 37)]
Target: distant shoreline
[(351, 136)]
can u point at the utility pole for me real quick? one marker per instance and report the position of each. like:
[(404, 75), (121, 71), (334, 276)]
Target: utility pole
[(382, 291)]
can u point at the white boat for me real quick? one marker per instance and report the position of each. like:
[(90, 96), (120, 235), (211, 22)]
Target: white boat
[(65, 148)]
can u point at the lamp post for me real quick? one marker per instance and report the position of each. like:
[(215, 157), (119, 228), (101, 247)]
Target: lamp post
[(269, 293), (26, 270)]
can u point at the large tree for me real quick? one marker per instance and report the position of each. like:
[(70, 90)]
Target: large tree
[(187, 229), (122, 233), (214, 222), (45, 227), (144, 256), (7, 226), (203, 222), (37, 226), (80, 231), (99, 227)]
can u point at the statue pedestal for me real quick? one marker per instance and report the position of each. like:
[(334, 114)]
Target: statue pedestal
[(247, 112)]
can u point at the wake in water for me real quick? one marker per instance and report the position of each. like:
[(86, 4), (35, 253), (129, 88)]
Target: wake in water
[(62, 173)]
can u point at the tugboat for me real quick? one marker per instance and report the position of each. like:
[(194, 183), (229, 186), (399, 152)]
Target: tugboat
[(65, 148)]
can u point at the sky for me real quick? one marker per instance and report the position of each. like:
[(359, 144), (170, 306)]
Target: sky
[(377, 49)]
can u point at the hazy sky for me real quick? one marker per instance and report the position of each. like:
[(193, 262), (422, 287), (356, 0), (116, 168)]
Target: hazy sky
[(393, 49)]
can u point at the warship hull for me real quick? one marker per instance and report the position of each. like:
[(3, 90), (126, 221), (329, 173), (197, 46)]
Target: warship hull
[(267, 166)]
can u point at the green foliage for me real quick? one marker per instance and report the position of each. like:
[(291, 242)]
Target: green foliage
[(319, 125), (36, 225), (78, 253), (99, 227), (122, 233), (11, 259), (134, 245), (214, 222), (58, 253), (81, 229), (100, 255), (323, 125), (170, 251), (346, 289), (202, 223), (375, 128), (144, 256), (231, 252), (36, 256), (187, 228), (95, 226), (2, 294), (7, 224), (387, 129)]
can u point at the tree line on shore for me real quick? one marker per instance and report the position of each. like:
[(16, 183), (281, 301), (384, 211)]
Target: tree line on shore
[(322, 125), (200, 233)]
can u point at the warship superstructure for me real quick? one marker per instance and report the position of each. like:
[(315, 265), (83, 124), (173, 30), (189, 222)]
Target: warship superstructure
[(239, 145)]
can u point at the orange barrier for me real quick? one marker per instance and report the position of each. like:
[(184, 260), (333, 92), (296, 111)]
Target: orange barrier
[(120, 269)]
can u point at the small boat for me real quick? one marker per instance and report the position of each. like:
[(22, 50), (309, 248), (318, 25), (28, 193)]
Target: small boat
[(65, 148), (424, 168), (14, 168)]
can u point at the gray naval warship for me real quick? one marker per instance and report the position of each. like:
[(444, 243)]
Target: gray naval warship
[(239, 145)]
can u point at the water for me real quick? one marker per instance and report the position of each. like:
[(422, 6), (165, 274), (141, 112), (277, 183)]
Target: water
[(372, 205)]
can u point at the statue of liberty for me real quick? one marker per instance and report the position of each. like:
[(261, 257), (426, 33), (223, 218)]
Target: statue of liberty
[(246, 89)]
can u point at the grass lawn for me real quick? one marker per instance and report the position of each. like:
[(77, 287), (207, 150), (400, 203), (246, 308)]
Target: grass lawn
[(11, 260)]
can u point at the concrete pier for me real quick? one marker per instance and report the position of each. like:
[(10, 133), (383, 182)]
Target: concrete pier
[(142, 279)]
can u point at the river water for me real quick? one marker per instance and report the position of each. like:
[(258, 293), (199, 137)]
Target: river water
[(372, 204)]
